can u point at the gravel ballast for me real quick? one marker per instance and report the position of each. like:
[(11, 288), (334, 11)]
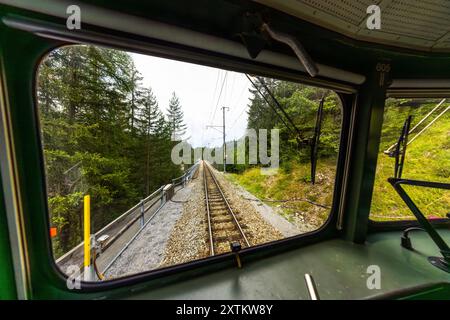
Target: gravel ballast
[(270, 214), (189, 238), (179, 232), (257, 229), (146, 252), (190, 241)]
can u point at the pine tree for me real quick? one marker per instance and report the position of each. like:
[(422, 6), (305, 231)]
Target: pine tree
[(136, 94), (150, 119), (149, 113), (175, 117)]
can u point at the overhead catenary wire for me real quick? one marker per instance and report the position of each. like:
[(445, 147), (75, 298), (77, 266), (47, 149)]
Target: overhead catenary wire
[(235, 105), (387, 151), (212, 100), (270, 105), (216, 86), (296, 129), (230, 95), (261, 80), (220, 94), (238, 117), (218, 77)]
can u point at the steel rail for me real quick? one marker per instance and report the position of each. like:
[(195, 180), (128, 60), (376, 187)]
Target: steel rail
[(211, 241), (227, 205)]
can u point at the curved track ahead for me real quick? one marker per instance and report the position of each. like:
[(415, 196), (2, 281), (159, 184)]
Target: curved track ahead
[(223, 225)]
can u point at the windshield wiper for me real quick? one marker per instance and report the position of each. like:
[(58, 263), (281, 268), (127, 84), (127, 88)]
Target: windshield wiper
[(400, 148), (315, 141), (312, 142)]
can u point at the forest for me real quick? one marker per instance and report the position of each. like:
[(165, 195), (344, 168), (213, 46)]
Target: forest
[(103, 134)]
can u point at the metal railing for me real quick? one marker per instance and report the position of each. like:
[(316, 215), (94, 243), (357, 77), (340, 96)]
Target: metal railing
[(187, 176), (162, 200), (120, 225), (182, 180)]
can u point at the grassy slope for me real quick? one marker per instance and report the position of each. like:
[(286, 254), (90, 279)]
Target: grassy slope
[(428, 158), (293, 183)]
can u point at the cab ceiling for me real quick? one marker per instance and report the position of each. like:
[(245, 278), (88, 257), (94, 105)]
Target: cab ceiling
[(416, 24)]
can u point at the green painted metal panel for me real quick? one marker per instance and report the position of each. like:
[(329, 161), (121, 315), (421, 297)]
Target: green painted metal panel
[(367, 133), (7, 283), (338, 266), (339, 269)]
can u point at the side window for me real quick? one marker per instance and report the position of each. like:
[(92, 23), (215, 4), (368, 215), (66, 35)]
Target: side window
[(134, 150), (427, 158)]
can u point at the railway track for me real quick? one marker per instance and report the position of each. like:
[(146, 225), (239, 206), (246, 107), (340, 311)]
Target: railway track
[(223, 224)]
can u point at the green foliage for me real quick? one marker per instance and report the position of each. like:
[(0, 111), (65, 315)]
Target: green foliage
[(103, 134), (293, 180), (301, 104), (66, 217)]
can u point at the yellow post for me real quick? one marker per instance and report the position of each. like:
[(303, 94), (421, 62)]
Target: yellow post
[(87, 232)]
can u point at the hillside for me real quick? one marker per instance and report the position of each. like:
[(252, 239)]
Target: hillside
[(428, 158), (294, 184)]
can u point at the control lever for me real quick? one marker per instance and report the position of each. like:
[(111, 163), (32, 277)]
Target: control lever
[(235, 248), (406, 240), (311, 285)]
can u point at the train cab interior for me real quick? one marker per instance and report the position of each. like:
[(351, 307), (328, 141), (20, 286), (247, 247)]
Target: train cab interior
[(327, 44)]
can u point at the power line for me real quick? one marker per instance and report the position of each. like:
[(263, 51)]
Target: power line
[(238, 117), (232, 88), (295, 129), (212, 101), (235, 104), (215, 91), (239, 96), (261, 80), (220, 94), (269, 104)]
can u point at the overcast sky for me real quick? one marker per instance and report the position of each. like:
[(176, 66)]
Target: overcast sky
[(199, 90)]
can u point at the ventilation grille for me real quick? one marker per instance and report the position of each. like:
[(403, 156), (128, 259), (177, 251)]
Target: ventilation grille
[(418, 24), (350, 11), (429, 20)]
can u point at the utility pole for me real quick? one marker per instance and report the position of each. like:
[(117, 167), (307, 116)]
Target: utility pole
[(224, 143), (224, 155)]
